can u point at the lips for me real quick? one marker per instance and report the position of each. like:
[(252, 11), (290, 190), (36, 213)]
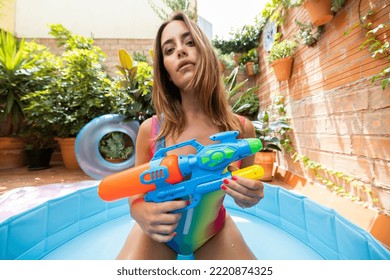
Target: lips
[(183, 64)]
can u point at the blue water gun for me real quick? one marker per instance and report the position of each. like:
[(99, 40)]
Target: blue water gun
[(168, 177)]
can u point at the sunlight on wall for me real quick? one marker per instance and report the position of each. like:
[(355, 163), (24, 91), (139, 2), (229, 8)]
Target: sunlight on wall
[(92, 18), (7, 15)]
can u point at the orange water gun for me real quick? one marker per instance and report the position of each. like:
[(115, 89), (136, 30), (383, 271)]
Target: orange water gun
[(168, 177)]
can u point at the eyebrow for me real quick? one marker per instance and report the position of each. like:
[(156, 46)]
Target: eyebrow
[(183, 36)]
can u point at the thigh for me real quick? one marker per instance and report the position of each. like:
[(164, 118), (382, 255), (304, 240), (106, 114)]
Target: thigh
[(139, 246), (227, 244)]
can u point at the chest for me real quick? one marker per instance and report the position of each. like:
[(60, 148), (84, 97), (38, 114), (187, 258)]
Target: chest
[(199, 132)]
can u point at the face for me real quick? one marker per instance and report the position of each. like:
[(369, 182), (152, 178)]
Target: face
[(179, 53)]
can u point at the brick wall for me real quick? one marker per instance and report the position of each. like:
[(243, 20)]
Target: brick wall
[(339, 118)]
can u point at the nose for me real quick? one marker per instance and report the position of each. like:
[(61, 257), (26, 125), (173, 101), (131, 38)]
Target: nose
[(182, 52)]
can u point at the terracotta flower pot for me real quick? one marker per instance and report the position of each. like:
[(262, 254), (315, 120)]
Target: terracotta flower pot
[(266, 160), (249, 68), (319, 11), (282, 68), (68, 152), (12, 152)]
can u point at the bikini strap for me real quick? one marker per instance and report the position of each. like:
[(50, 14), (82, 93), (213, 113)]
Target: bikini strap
[(155, 145), (242, 119)]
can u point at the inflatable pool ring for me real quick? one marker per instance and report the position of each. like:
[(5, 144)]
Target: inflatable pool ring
[(87, 145)]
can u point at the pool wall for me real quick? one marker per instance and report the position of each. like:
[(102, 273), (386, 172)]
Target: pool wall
[(32, 234), (36, 232)]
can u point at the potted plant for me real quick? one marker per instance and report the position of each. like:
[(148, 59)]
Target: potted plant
[(250, 61), (135, 86), (114, 147), (16, 80), (243, 100), (39, 147), (38, 132), (281, 57), (268, 133), (80, 91), (321, 11), (308, 34), (226, 61)]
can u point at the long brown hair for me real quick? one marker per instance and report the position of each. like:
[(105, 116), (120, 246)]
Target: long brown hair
[(207, 81)]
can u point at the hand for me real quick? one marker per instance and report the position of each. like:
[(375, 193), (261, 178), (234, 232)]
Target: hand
[(156, 219), (245, 192)]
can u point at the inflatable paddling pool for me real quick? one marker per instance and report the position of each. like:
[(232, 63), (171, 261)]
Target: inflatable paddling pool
[(70, 221)]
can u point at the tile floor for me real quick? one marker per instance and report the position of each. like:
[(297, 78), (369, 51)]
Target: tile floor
[(22, 177)]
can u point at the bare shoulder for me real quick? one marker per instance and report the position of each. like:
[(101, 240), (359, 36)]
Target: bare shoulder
[(249, 130), (143, 142), (145, 129)]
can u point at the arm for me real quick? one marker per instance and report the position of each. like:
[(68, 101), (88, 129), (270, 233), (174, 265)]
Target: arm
[(245, 192), (153, 218)]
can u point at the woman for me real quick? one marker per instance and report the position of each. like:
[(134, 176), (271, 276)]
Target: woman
[(190, 102)]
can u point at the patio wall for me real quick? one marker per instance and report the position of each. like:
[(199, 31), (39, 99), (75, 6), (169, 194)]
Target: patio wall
[(340, 119), (110, 47)]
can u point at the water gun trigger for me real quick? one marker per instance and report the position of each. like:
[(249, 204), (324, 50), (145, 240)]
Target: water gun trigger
[(193, 202)]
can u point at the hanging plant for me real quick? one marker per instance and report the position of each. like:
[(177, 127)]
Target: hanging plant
[(378, 48), (308, 34), (322, 11), (337, 5), (280, 57)]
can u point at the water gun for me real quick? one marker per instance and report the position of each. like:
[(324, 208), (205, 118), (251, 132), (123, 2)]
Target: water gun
[(168, 177)]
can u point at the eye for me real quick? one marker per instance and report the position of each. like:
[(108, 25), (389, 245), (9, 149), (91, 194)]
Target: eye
[(190, 43), (168, 51)]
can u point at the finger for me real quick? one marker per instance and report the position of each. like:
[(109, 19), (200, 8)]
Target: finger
[(163, 237), (232, 168), (238, 196), (248, 183), (167, 218), (163, 229), (170, 206), (244, 199), (245, 204), (251, 189), (242, 195)]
